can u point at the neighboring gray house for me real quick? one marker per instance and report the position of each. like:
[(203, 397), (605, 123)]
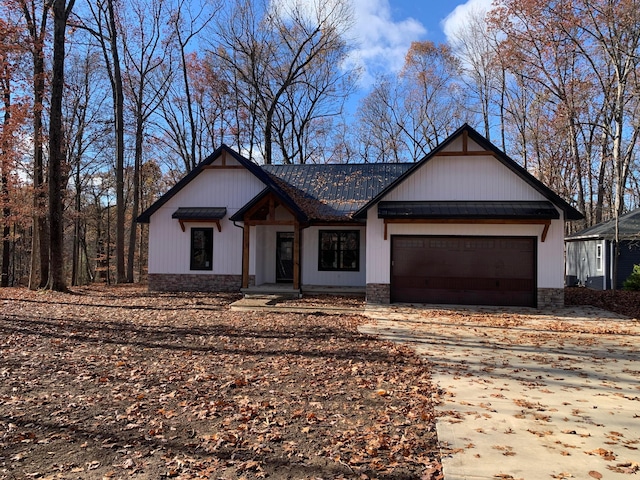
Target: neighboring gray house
[(590, 253)]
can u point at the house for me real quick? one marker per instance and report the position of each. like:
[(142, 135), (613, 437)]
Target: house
[(465, 225), (590, 253)]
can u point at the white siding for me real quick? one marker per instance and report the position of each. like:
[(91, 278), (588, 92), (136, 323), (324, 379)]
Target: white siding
[(450, 178), (310, 273), (464, 178), (169, 246)]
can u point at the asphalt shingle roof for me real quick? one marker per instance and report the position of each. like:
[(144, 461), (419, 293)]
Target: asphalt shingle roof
[(628, 225)]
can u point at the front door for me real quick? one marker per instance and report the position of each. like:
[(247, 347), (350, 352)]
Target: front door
[(284, 257)]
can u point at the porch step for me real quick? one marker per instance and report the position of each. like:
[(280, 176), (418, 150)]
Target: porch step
[(271, 291)]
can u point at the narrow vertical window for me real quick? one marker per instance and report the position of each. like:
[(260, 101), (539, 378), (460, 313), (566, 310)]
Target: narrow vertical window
[(599, 257), (339, 250), (201, 249)]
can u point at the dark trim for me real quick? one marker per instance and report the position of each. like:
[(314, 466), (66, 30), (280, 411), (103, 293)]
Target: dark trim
[(570, 212), (208, 249), (338, 251), (468, 210)]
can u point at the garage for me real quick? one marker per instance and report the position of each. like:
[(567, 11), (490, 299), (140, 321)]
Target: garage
[(469, 270)]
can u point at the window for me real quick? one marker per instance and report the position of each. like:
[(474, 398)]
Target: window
[(599, 257), (339, 250), (201, 249)]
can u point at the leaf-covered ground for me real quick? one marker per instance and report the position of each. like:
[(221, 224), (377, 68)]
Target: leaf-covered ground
[(118, 383), (623, 302)]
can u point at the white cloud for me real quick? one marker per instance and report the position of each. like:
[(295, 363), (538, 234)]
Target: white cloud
[(458, 17), (381, 42)]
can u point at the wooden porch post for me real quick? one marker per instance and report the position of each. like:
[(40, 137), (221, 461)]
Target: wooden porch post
[(296, 255), (245, 255)]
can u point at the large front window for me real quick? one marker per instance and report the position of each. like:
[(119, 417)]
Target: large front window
[(201, 249), (339, 250)]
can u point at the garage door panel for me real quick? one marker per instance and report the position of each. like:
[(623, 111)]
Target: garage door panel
[(463, 270)]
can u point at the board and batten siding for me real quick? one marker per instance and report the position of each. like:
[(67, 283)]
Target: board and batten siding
[(169, 246), (450, 178), (464, 178)]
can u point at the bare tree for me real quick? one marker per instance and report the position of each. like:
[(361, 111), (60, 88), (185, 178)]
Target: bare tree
[(61, 10), (146, 88), (270, 48), (106, 29), (36, 15)]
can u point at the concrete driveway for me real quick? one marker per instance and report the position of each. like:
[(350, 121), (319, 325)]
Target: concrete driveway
[(528, 394)]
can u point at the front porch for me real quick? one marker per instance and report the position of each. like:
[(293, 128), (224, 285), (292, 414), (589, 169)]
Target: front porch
[(288, 290)]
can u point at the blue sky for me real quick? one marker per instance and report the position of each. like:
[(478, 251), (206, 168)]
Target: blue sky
[(384, 29)]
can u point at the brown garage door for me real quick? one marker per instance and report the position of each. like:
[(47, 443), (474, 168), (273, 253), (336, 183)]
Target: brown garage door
[(463, 270)]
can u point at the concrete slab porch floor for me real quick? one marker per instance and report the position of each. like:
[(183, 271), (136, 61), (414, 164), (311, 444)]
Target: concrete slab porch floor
[(528, 394)]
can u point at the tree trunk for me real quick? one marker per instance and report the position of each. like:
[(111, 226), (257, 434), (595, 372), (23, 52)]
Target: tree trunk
[(136, 196), (40, 236), (56, 149), (4, 190), (118, 105)]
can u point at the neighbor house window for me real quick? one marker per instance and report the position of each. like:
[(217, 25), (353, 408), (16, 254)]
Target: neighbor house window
[(599, 257), (201, 249), (339, 250)]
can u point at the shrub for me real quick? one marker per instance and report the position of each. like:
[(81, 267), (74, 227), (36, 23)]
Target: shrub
[(633, 281)]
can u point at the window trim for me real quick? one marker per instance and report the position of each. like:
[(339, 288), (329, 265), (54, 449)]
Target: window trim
[(339, 251), (599, 257), (197, 266)]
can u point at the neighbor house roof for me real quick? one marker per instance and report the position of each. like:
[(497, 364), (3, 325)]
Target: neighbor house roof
[(570, 212), (628, 227)]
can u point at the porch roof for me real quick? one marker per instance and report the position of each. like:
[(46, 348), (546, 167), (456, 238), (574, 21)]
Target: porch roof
[(466, 210), (199, 213)]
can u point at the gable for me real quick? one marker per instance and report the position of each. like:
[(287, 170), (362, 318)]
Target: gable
[(468, 166), (230, 188), (463, 177)]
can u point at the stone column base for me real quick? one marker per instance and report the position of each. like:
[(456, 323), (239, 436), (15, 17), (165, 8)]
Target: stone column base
[(550, 297), (188, 282), (379, 293)]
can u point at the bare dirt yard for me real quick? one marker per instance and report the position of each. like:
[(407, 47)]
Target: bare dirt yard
[(108, 383)]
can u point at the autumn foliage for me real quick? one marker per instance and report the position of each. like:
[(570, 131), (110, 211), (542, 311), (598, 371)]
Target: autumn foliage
[(119, 383)]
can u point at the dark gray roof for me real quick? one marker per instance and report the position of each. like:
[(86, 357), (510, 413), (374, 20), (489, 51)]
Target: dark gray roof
[(628, 226), (332, 192), (200, 213), (503, 210)]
